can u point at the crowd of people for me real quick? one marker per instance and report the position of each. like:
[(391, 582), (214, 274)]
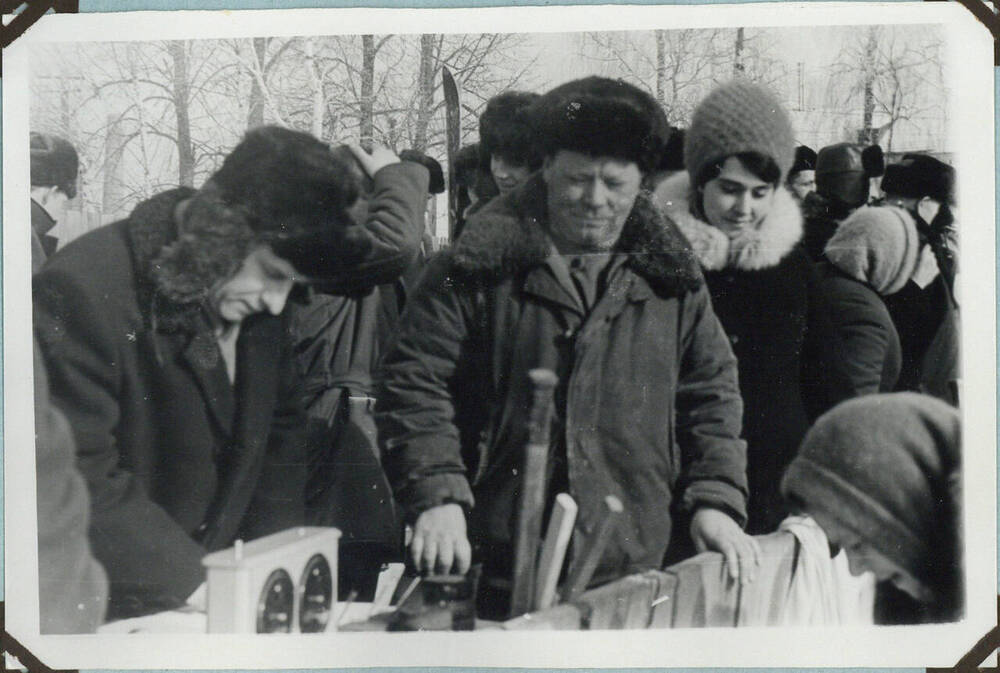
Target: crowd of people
[(742, 330)]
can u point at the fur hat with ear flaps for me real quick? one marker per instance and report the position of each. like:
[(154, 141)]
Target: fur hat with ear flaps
[(598, 116), (280, 187)]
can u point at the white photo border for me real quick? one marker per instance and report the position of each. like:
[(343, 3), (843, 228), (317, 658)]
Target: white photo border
[(971, 114)]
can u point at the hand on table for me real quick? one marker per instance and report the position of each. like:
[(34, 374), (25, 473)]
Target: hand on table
[(440, 543), (714, 530)]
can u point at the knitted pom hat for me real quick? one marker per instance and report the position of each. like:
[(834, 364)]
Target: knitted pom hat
[(738, 117), (602, 117), (887, 467), (878, 246)]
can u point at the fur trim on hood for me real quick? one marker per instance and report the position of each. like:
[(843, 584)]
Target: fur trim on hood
[(508, 237), (751, 250)]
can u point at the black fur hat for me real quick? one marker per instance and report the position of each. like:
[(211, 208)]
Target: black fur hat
[(603, 117), (54, 162), (436, 185), (278, 186), (506, 130), (920, 175), (805, 160)]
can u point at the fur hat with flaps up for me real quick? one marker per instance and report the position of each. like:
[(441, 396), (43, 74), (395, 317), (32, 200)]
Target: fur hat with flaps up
[(602, 117), (879, 246), (735, 118), (888, 468), (278, 186), (920, 175)]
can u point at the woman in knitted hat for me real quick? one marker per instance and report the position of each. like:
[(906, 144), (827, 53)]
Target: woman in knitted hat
[(882, 476), (872, 255), (744, 227)]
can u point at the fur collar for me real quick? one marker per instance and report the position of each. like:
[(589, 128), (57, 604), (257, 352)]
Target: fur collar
[(751, 251), (508, 237), (150, 228)]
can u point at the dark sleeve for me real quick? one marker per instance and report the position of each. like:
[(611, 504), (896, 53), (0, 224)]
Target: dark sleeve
[(863, 338), (278, 500), (72, 586), (709, 413), (825, 379), (150, 560), (391, 235), (415, 412)]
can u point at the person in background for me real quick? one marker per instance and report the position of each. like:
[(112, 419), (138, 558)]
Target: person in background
[(578, 272), (54, 168), (507, 147), (882, 476), (745, 228), (843, 183), (671, 162), (802, 175), (72, 585), (338, 341), (169, 349), (873, 254), (435, 187), (474, 184), (926, 313)]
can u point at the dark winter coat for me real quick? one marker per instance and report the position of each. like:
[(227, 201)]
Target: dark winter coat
[(648, 406), (872, 356), (178, 460), (766, 293), (336, 346)]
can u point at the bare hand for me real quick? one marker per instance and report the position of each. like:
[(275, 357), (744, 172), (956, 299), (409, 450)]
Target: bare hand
[(714, 530), (440, 544), (376, 160)]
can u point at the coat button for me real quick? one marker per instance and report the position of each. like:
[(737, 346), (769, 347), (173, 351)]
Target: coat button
[(734, 339)]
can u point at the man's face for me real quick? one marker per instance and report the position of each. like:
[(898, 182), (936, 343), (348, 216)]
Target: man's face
[(589, 199), (507, 175), (802, 183), (55, 202), (261, 284)]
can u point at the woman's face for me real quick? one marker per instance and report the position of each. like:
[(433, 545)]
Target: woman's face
[(737, 199), (862, 556)]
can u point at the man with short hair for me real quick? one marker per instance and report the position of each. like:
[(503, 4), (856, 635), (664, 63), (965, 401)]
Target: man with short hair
[(168, 345), (578, 272), (54, 167)]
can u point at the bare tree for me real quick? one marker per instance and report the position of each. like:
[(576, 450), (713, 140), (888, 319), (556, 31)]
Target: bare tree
[(893, 77)]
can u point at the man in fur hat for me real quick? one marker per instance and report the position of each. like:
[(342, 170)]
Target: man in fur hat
[(168, 347), (578, 272), (54, 166), (925, 311)]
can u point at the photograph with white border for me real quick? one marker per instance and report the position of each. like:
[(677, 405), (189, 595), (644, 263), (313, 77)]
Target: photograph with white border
[(668, 331)]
